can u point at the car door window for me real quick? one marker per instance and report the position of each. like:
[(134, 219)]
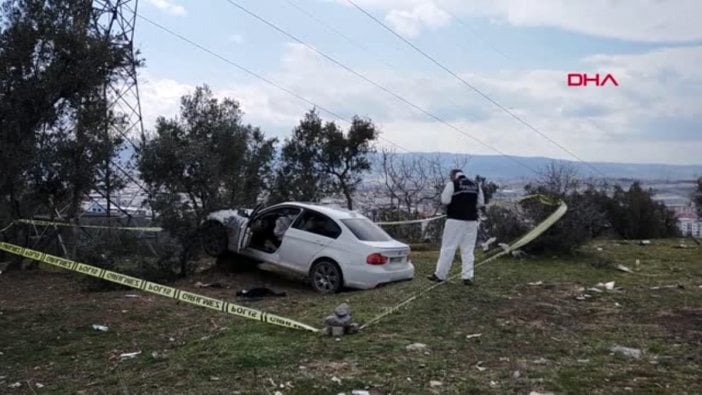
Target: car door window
[(317, 223)]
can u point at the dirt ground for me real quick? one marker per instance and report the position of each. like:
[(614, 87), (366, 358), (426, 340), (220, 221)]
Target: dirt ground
[(527, 325)]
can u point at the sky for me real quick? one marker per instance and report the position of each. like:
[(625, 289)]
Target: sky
[(515, 55)]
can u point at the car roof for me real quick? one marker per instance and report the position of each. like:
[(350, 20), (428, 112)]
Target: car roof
[(333, 212)]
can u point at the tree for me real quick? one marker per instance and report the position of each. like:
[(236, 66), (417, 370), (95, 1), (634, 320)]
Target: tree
[(635, 215), (299, 175), (586, 216), (556, 179), (697, 198), (405, 180), (488, 187), (205, 159), (320, 158), (53, 66)]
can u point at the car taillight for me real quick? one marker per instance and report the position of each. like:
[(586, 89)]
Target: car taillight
[(376, 259)]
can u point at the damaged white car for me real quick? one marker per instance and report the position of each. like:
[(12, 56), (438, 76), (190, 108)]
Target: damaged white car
[(334, 248)]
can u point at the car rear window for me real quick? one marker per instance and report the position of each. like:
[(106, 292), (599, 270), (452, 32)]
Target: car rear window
[(365, 230)]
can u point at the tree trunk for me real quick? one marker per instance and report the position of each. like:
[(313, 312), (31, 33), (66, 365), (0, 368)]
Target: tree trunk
[(347, 193)]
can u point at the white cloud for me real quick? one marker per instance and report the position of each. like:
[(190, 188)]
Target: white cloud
[(643, 20), (236, 38), (160, 97), (653, 116), (411, 22), (169, 6)]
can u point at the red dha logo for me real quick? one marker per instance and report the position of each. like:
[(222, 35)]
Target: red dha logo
[(577, 79)]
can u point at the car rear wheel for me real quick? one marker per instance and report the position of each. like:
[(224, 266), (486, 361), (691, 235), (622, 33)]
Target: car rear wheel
[(326, 277), (214, 239)]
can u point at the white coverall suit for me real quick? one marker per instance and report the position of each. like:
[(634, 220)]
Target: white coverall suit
[(457, 233)]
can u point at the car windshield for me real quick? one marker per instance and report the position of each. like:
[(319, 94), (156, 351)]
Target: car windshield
[(365, 230)]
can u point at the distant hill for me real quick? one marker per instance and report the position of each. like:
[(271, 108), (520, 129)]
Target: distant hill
[(501, 167)]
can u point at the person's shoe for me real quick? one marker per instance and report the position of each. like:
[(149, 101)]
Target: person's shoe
[(467, 282), (435, 279)]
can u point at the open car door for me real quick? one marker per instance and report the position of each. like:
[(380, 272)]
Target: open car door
[(244, 234)]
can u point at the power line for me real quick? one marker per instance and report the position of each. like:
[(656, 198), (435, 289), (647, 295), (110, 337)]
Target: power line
[(473, 88), (257, 76), (475, 33), (370, 81), (312, 16)]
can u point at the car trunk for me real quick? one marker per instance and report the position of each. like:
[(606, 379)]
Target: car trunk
[(396, 252)]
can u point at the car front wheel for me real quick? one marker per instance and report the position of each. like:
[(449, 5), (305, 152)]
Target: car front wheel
[(326, 277)]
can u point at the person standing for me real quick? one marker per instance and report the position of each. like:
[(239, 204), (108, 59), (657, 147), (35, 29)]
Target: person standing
[(463, 198)]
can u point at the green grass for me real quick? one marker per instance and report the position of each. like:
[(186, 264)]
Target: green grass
[(533, 337)]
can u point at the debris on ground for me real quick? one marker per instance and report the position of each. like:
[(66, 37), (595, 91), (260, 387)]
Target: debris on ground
[(486, 244), (517, 374), (599, 248), (435, 383), (536, 283), (101, 328), (39, 385), (593, 289), (480, 368), (360, 392), (681, 245), (608, 285), (627, 351), (416, 347), (668, 287), (336, 380), (208, 285), (340, 323), (540, 361), (473, 335), (15, 385), (259, 292), (624, 269), (129, 355), (540, 393), (644, 242), (131, 296)]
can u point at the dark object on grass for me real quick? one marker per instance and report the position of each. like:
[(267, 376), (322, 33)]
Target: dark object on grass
[(258, 293)]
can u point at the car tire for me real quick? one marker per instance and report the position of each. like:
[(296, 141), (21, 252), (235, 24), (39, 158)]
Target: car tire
[(214, 238), (326, 277)]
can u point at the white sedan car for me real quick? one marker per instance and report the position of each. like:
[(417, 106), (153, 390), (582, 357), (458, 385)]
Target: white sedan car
[(333, 247)]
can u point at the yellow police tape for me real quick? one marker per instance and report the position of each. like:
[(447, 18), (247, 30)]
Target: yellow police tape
[(147, 286), (521, 242), (54, 223)]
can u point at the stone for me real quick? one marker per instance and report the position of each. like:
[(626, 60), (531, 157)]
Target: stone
[(627, 351), (416, 347)]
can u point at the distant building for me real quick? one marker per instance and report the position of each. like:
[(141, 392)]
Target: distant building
[(685, 211), (98, 208)]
